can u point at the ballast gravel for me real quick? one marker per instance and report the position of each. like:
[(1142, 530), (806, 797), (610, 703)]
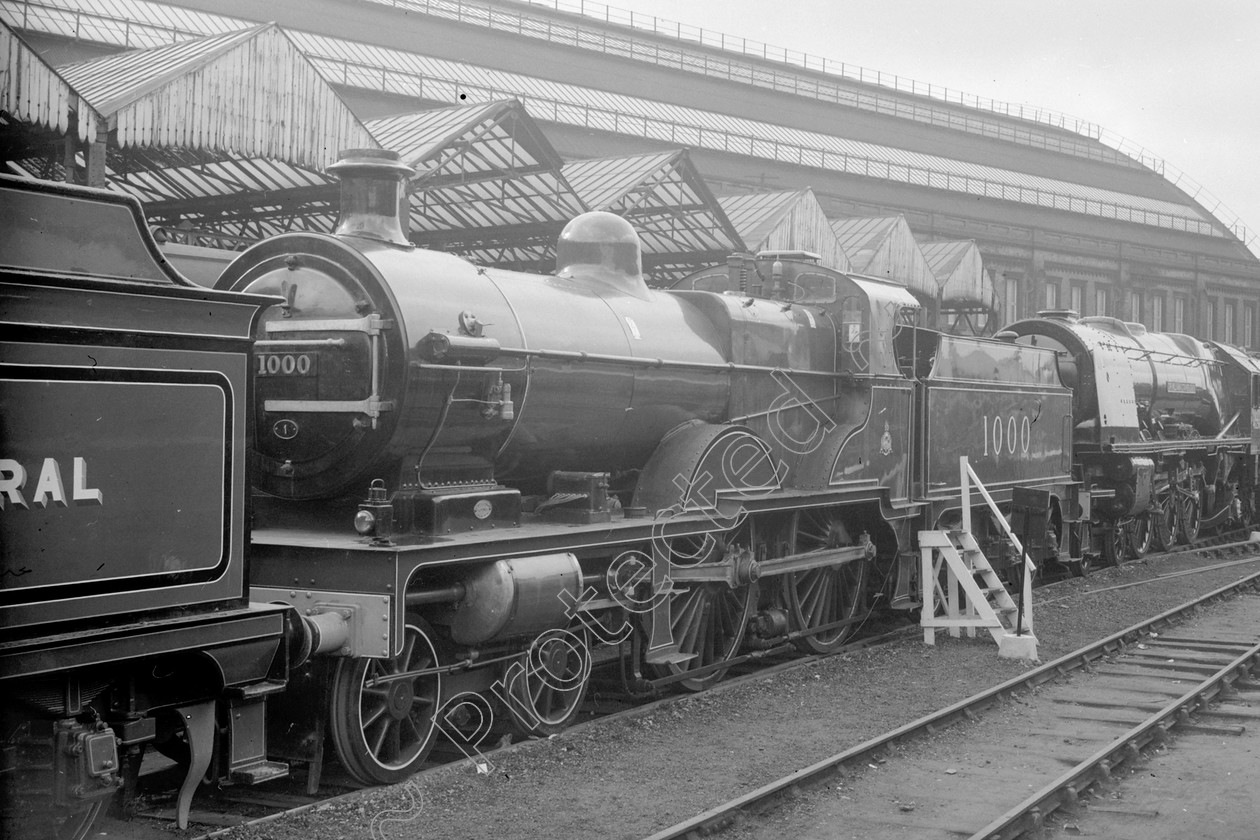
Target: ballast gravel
[(631, 776)]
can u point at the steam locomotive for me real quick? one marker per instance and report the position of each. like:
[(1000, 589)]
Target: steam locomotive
[(479, 483), (472, 486), (1166, 428)]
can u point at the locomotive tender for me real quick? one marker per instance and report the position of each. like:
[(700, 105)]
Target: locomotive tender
[(124, 590)]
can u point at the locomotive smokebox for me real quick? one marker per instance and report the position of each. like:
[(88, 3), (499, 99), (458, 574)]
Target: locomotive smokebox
[(373, 195)]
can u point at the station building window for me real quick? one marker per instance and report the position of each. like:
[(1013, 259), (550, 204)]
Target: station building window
[(1052, 294), (1179, 315), (1248, 337), (1102, 301), (1010, 300), (1135, 307), (1157, 313), (1209, 318), (1229, 332), (1078, 299)]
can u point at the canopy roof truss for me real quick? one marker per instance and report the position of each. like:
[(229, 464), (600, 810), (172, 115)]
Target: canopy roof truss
[(680, 223), (489, 185)]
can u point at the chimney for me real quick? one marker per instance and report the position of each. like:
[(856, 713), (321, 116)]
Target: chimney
[(373, 195)]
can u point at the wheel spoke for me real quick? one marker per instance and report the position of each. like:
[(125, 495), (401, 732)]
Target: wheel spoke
[(825, 595), (549, 684), (383, 732)]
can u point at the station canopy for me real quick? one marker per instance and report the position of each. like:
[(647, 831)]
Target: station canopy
[(680, 222), (790, 220), (43, 120), (229, 133), (488, 184), (964, 291), (886, 248)]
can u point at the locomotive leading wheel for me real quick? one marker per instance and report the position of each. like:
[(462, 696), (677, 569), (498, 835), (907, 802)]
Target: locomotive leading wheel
[(823, 596), (1114, 543), (383, 729), (548, 684), (709, 619), (1140, 535)]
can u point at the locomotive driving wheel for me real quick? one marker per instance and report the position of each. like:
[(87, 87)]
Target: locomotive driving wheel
[(1187, 501), (548, 684), (383, 728), (1163, 516), (828, 594), (709, 619)]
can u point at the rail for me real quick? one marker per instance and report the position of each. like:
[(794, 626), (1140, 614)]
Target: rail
[(881, 746)]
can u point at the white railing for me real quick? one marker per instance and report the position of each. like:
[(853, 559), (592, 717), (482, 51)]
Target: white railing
[(968, 478)]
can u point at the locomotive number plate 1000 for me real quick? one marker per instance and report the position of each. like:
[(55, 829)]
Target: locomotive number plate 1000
[(287, 364)]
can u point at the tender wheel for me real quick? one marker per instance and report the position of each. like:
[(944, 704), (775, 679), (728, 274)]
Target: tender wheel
[(1163, 522), (548, 683), (1140, 536), (1081, 544), (1188, 513), (709, 619), (383, 729), (26, 803), (822, 596)]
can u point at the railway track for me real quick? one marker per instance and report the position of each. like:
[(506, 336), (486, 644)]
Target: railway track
[(250, 803), (1030, 746)]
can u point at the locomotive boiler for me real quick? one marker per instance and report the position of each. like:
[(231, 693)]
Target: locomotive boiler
[(1165, 426)]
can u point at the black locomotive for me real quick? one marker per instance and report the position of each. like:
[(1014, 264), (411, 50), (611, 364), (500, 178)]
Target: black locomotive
[(124, 595), (543, 472), (1166, 428), (472, 486)]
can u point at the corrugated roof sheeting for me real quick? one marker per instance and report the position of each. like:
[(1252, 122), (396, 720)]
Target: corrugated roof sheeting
[(131, 24), (502, 134), (35, 93), (885, 247), (476, 211), (489, 184), (396, 71), (251, 91), (665, 198), (959, 272), (785, 221)]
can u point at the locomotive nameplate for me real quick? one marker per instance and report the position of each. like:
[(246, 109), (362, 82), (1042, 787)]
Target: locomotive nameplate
[(111, 480)]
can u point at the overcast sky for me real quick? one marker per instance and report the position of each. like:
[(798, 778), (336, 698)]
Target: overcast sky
[(1180, 79)]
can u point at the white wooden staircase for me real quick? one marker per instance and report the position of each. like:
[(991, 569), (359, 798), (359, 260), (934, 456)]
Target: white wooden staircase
[(962, 592)]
